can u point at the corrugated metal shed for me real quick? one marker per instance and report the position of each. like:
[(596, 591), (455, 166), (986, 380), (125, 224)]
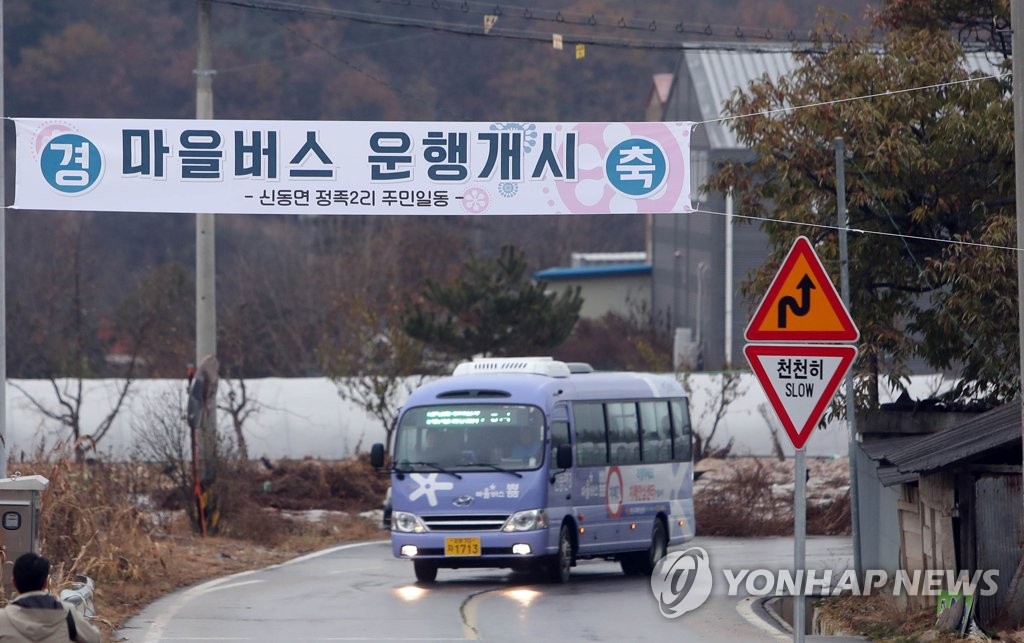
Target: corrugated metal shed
[(890, 476), (878, 449), (717, 74), (999, 537)]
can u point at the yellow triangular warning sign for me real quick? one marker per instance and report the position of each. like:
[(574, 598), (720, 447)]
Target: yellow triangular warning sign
[(801, 304)]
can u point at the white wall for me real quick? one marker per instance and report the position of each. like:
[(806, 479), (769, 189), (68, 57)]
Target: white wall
[(306, 417)]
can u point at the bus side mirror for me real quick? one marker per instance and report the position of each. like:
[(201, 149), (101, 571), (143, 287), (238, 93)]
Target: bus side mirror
[(377, 455), (563, 457)]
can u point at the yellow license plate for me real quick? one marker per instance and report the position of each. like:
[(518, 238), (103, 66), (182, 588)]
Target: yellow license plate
[(461, 546)]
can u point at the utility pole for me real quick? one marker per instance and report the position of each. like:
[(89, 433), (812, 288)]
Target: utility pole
[(206, 294), (1014, 601), (851, 407), (3, 264)]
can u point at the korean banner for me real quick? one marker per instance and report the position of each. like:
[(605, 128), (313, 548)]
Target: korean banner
[(334, 167)]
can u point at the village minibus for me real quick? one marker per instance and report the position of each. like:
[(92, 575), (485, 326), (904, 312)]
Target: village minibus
[(533, 464)]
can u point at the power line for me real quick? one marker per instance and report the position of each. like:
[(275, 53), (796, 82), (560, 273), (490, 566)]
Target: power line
[(892, 92), (879, 233), (500, 32)]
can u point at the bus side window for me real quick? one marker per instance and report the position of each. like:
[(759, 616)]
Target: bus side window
[(683, 437), (650, 442), (559, 436), (591, 447), (623, 433)]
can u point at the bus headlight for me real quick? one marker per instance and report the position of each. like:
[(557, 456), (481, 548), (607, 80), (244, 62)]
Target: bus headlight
[(407, 522), (528, 520)]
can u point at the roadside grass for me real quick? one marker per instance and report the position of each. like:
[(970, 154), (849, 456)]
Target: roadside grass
[(753, 497), (124, 526), (886, 618), (880, 617)]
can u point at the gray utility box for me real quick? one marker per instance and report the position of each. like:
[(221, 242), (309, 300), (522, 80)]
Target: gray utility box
[(19, 514)]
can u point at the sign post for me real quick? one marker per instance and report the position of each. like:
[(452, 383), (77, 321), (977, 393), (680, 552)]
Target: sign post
[(800, 378)]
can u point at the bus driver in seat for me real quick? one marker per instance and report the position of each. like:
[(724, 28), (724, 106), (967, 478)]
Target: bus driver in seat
[(528, 448)]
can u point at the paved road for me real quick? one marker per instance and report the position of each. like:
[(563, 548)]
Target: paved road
[(359, 592)]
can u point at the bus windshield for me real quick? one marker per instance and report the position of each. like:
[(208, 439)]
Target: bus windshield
[(470, 437)]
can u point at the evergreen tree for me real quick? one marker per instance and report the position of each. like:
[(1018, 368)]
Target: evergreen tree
[(492, 308)]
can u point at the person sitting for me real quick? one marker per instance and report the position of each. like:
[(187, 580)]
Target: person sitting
[(436, 447), (528, 447), (35, 614)]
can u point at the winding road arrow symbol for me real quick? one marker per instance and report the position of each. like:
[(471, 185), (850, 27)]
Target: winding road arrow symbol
[(805, 287)]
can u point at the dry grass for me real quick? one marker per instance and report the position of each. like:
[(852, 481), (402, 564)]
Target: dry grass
[(123, 525), (885, 618), (880, 617), (750, 497)]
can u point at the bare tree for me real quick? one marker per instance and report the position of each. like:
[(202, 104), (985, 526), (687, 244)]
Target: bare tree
[(70, 398), (81, 354), (773, 430), (161, 435), (240, 406), (722, 393), (379, 366)]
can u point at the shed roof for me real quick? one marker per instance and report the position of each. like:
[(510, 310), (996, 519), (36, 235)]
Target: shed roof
[(998, 428), (889, 476), (879, 449)]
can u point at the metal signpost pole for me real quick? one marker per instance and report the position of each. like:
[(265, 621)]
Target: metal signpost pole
[(799, 543)]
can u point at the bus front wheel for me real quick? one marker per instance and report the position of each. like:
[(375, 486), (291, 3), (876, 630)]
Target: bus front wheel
[(560, 564), (642, 563), (426, 571)]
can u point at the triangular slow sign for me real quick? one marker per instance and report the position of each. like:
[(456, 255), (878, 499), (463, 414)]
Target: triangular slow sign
[(801, 304), (799, 381)]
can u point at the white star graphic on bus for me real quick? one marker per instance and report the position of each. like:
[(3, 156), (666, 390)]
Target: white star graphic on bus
[(428, 486)]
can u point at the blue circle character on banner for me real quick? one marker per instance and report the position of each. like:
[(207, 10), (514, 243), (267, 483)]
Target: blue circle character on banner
[(71, 163), (636, 167)]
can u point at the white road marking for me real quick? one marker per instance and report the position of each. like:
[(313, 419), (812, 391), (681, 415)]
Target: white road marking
[(164, 617), (744, 607)]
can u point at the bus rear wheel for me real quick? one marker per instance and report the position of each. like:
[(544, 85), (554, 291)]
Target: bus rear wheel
[(560, 565), (426, 571)]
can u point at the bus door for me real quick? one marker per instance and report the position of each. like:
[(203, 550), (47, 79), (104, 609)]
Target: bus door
[(560, 492), (597, 488)]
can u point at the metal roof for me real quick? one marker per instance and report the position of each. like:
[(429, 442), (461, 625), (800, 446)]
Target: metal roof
[(591, 272), (716, 74), (879, 449), (889, 476), (1000, 427)]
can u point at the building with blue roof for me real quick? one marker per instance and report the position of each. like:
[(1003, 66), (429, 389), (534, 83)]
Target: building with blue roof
[(617, 282)]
